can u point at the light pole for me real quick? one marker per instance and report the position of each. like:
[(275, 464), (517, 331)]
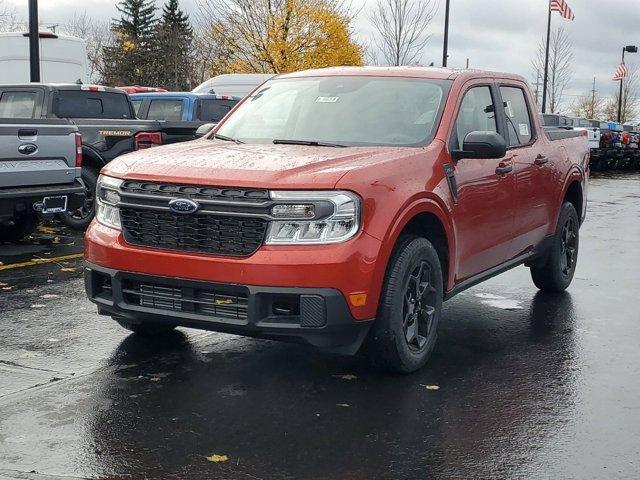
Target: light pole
[(34, 40), (630, 49), (445, 48)]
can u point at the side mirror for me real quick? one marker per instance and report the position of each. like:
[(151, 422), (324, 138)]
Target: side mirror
[(204, 129), (481, 145)]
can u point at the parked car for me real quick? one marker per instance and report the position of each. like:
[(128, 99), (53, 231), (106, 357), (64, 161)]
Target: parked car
[(40, 163), (138, 89), (105, 118), (200, 108), (312, 213), (63, 58), (234, 84)]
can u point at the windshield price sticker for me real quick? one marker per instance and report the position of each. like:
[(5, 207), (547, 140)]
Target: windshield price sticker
[(327, 99)]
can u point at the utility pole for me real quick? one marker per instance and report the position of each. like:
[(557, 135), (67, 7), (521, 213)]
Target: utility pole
[(445, 53), (592, 107), (537, 85), (34, 41)]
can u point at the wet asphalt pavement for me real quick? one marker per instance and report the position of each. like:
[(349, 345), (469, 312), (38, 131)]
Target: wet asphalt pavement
[(530, 385)]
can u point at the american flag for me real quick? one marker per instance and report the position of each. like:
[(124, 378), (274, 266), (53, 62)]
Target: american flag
[(562, 8), (621, 72)]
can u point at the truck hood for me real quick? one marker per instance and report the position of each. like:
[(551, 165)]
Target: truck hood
[(222, 163)]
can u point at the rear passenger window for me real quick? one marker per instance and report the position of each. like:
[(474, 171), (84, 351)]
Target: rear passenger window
[(86, 104), (18, 104), (213, 110), (165, 110), (477, 113), (518, 117)]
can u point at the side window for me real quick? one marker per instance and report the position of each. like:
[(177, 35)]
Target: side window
[(137, 103), (477, 112), (18, 104), (212, 110), (165, 110), (518, 117)]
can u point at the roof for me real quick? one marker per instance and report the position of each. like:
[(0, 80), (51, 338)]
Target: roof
[(207, 96), (65, 86), (436, 73)]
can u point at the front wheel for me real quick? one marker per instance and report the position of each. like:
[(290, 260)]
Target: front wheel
[(405, 331), (555, 271)]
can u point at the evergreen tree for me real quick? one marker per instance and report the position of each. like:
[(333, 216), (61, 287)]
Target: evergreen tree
[(173, 48), (130, 60)]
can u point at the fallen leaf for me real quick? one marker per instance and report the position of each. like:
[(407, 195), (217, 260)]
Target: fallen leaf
[(348, 376), (2, 284), (67, 269), (343, 405), (432, 387), (7, 288), (49, 295), (38, 305), (53, 340), (217, 458)]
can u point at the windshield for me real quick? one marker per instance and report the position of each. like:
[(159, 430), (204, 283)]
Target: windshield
[(340, 111)]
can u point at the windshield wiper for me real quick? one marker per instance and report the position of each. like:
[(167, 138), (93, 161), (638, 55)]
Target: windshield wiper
[(312, 143), (225, 138)]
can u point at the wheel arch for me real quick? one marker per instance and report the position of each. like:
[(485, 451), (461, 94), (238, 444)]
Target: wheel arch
[(574, 192), (91, 158)]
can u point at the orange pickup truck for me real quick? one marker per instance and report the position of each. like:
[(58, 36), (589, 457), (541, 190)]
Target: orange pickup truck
[(340, 207)]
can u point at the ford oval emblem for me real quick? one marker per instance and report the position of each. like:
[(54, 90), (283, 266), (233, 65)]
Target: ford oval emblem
[(28, 149), (183, 205)]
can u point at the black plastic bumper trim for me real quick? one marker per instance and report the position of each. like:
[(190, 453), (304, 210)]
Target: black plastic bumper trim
[(339, 331)]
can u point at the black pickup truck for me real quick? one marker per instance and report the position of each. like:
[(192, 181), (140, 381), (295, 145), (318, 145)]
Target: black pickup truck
[(106, 119)]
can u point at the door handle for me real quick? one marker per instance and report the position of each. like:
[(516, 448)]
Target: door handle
[(541, 160), (502, 169)]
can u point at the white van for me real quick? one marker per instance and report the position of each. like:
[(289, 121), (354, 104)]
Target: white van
[(63, 59), (233, 84)]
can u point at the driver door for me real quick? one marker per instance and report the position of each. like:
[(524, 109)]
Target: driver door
[(485, 209)]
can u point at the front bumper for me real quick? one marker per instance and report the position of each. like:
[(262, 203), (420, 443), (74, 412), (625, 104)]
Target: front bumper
[(20, 200), (317, 316)]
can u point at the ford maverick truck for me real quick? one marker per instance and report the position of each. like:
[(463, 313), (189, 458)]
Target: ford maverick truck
[(340, 207)]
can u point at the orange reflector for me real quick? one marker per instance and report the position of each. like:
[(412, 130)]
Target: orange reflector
[(358, 299)]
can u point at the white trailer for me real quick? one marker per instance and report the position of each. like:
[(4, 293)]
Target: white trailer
[(63, 59), (233, 84)]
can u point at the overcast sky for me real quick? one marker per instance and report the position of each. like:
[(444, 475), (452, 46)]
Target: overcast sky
[(493, 34)]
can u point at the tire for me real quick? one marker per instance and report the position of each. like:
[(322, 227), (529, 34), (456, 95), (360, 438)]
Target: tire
[(81, 218), (405, 331), (22, 227), (145, 329), (555, 272)]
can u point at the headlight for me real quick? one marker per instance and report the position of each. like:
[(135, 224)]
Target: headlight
[(108, 196), (335, 214)]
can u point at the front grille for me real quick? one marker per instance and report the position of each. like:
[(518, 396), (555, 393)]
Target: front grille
[(203, 301), (223, 235), (195, 192)]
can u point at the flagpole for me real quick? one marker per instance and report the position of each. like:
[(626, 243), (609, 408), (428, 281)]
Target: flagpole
[(620, 96), (546, 64)]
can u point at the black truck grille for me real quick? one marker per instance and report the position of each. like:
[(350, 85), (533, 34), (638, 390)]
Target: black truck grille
[(195, 192), (202, 301), (223, 235)]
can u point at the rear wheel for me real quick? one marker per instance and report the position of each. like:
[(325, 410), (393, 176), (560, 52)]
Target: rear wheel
[(80, 218), (145, 329), (21, 227), (556, 270), (405, 331)]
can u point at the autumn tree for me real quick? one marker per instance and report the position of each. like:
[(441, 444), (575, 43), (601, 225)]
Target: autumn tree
[(130, 60), (401, 27), (274, 36), (560, 66), (172, 48), (588, 105), (630, 102)]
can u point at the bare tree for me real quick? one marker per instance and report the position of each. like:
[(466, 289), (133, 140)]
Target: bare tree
[(588, 105), (97, 34), (560, 66), (401, 28), (630, 101), (9, 20)]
